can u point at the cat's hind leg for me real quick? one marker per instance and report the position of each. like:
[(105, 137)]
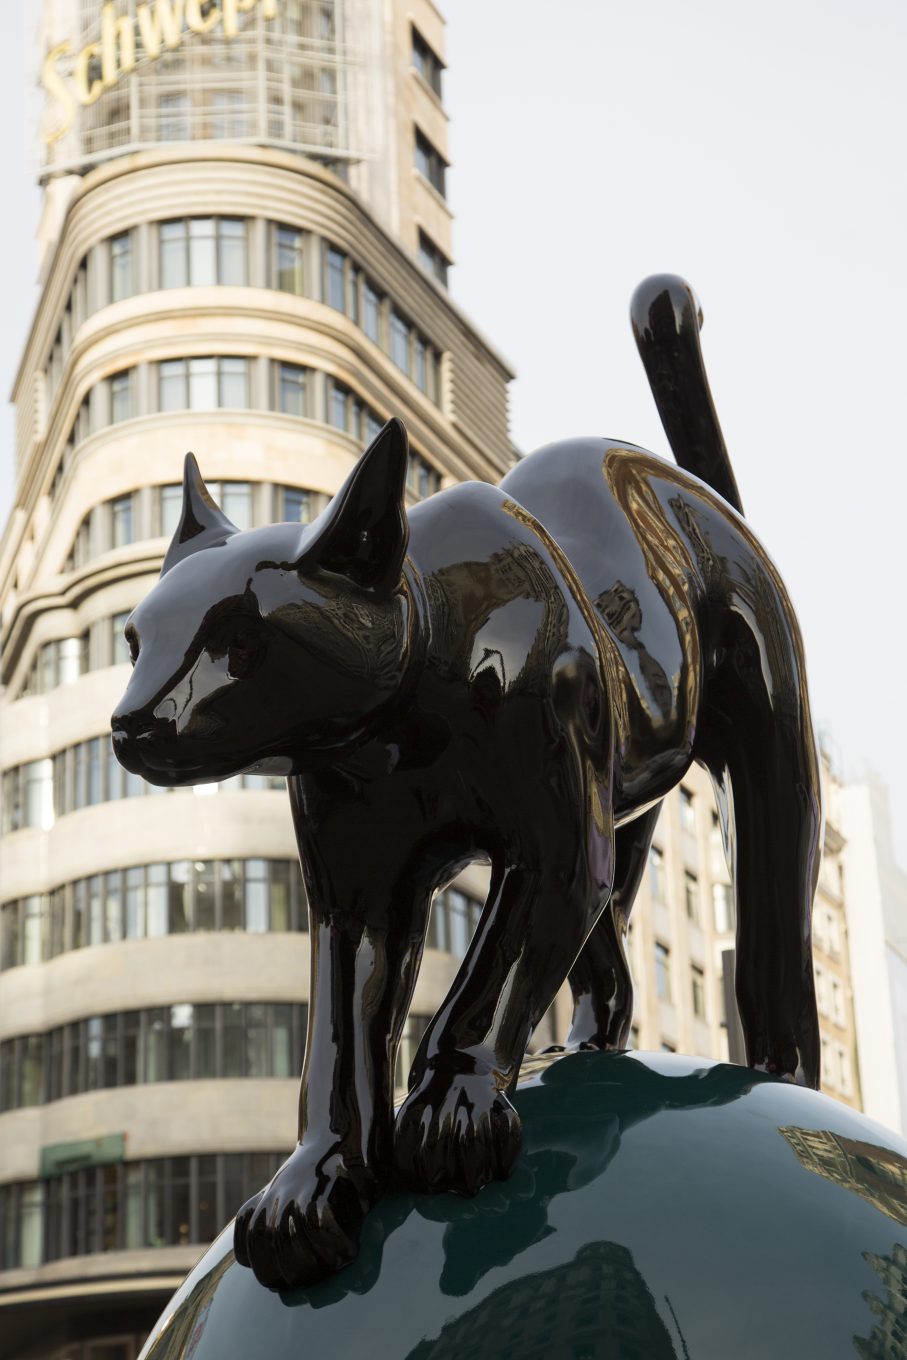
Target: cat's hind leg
[(600, 978)]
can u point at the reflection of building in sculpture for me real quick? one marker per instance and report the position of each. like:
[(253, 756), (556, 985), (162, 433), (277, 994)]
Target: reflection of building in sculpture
[(244, 245), (599, 1304), (888, 1338), (878, 1175)]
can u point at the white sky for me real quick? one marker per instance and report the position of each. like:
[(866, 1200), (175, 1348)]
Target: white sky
[(757, 149)]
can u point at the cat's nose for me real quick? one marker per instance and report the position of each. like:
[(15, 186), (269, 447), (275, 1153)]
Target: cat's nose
[(126, 725)]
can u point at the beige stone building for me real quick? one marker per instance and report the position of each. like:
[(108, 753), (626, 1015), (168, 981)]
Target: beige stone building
[(244, 252)]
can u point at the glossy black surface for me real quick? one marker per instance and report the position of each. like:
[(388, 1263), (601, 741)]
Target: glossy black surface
[(660, 1207), (514, 673)]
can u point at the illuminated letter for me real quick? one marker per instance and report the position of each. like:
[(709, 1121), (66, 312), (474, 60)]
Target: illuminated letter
[(166, 19), (53, 84), (116, 31), (194, 18), (85, 93), (231, 9)]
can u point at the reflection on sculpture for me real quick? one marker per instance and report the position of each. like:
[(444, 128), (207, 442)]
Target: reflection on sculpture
[(518, 674)]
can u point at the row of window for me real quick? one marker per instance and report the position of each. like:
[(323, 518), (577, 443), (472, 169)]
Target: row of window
[(154, 512), (184, 1042), (165, 1201), (664, 986), (149, 901), (37, 793), (62, 660), (206, 251), (426, 61), (722, 894)]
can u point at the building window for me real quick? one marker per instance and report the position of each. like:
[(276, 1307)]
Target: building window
[(844, 1073), (202, 251), (203, 384), (663, 972), (837, 1002), (173, 117), (400, 332), (121, 521), (691, 897), (291, 389), (167, 1201), (413, 1030), (454, 917), (657, 875), (698, 989), (687, 812), (28, 797), (153, 900), (336, 279), (121, 276), (421, 479), (429, 162), (296, 505), (121, 396), (181, 1042), (723, 907), (289, 247), (371, 312), (427, 62), (432, 258)]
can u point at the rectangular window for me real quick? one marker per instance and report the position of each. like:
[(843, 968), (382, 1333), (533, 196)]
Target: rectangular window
[(432, 258), (296, 505), (121, 283), (427, 62), (173, 117), (291, 389), (687, 812), (203, 251), (174, 254), (336, 289), (121, 396), (429, 162), (657, 874), (121, 521), (698, 987), (339, 406), (231, 251), (233, 383), (171, 509), (289, 260), (371, 313), (173, 390), (400, 341), (663, 971), (723, 905), (691, 897)]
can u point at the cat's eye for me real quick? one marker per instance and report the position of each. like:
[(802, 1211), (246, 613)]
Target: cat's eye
[(245, 650), (132, 642)]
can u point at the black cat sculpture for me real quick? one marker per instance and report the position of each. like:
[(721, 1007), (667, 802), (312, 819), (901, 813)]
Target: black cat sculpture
[(516, 674)]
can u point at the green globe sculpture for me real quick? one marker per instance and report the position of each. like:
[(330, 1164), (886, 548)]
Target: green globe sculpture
[(662, 1207)]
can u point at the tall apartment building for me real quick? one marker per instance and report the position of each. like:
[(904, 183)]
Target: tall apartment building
[(244, 251)]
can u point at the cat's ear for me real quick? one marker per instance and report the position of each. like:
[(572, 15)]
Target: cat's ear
[(364, 531), (202, 522)]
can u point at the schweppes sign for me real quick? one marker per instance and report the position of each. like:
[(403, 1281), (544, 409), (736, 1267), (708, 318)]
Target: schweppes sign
[(157, 26)]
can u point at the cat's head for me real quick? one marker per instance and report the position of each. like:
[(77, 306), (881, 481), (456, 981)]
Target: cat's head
[(270, 648)]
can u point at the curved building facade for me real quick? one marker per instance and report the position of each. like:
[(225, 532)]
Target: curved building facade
[(244, 252)]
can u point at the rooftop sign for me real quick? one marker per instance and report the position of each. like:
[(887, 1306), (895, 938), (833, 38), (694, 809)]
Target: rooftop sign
[(157, 26)]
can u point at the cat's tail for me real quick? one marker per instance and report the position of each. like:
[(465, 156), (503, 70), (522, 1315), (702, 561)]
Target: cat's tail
[(666, 320)]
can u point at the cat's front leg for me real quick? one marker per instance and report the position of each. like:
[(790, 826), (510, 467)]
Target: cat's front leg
[(305, 1223)]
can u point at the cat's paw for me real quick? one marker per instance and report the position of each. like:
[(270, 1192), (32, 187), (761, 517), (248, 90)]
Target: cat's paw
[(305, 1224), (456, 1131)]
